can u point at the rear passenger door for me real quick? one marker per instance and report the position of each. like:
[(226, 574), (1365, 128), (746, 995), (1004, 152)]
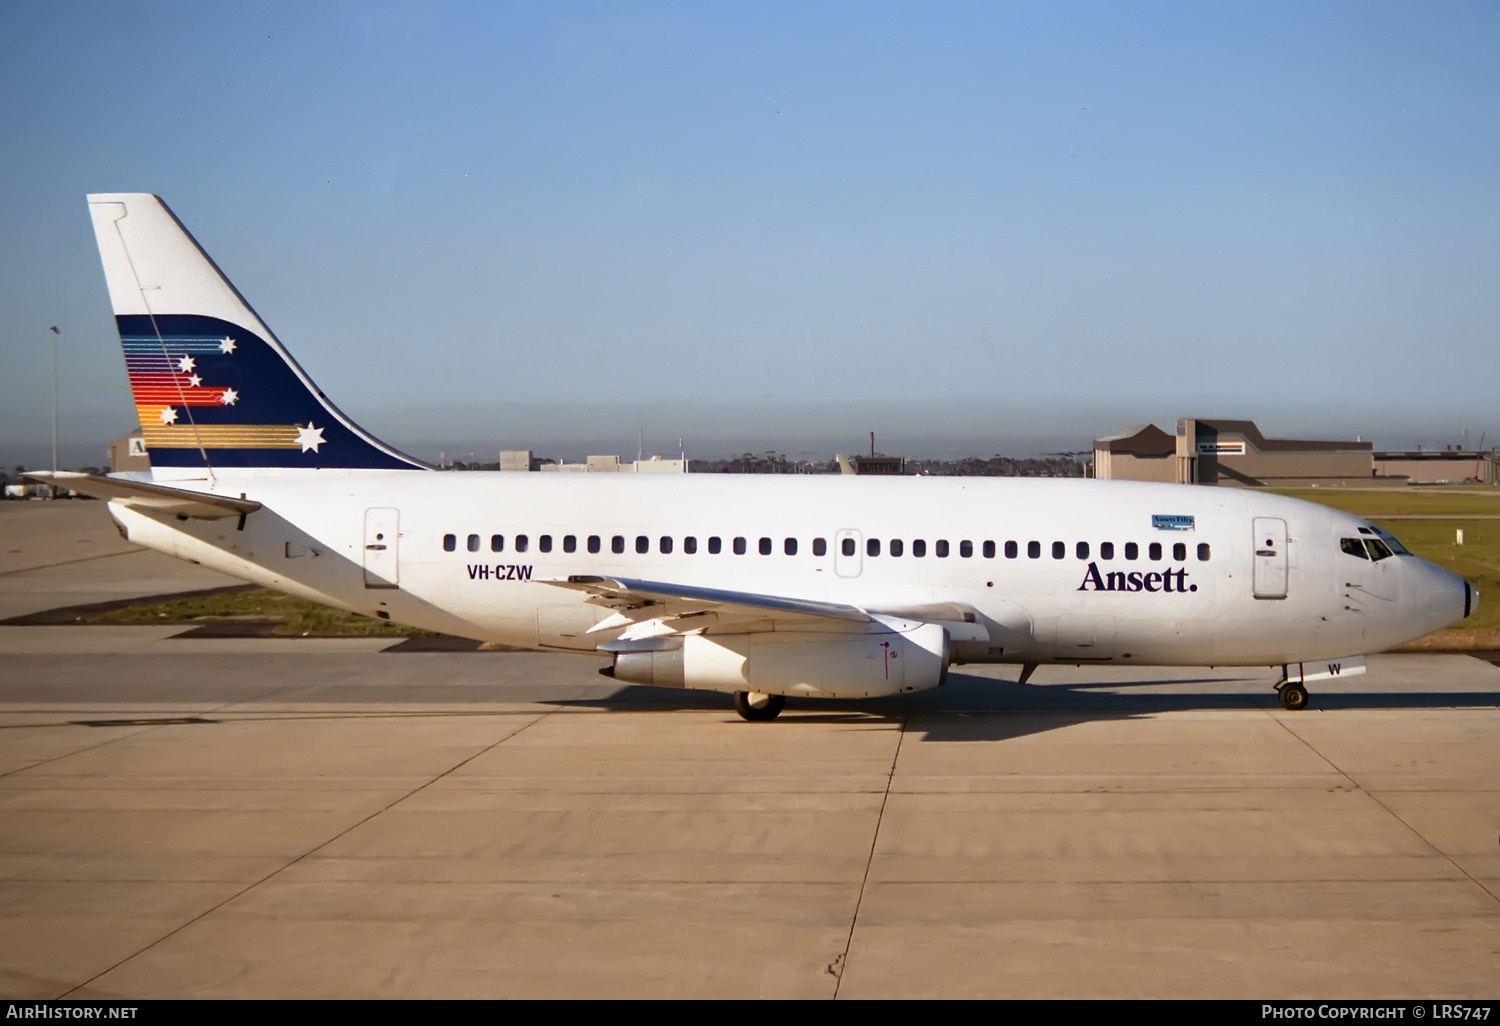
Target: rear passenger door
[(381, 555)]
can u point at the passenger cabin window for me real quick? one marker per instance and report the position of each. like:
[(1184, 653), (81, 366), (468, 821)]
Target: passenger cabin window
[(1132, 550), (1034, 550), (820, 547), (940, 548), (1012, 550), (1082, 550), (739, 546), (789, 546), (690, 546), (497, 543), (1203, 552), (872, 546), (617, 544), (897, 547), (765, 546), (1353, 547), (918, 547), (989, 550), (544, 543), (847, 546), (715, 545), (522, 543), (473, 543), (1059, 550), (1106, 550), (593, 543), (642, 544), (666, 545), (966, 549), (570, 543), (1155, 550), (1179, 552), (450, 542)]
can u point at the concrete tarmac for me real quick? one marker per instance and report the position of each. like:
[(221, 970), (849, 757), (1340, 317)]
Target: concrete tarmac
[(69, 553), (192, 817)]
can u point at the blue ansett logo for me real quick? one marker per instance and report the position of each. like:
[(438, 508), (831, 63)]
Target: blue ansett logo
[(1135, 580), (1171, 522)]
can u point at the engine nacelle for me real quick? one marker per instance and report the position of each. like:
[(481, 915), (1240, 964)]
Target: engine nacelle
[(894, 660)]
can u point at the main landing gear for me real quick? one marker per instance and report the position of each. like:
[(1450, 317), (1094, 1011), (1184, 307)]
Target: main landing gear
[(757, 707), (1293, 694)]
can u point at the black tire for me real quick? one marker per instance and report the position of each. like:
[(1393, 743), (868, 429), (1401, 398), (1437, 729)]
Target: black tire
[(1293, 697), (758, 714)]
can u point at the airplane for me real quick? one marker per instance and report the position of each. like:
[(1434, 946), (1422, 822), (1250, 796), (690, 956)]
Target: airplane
[(760, 586)]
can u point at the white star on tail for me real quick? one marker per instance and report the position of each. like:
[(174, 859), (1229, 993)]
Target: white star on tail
[(194, 381), (230, 397), (226, 346), (169, 416), (309, 437), (185, 364)]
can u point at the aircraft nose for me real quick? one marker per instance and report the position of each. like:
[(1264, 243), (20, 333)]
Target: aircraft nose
[(1438, 597)]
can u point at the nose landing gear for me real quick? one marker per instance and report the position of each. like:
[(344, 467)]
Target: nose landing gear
[(1293, 696), (1293, 693), (757, 707)]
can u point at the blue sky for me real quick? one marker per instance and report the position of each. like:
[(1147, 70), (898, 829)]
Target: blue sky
[(970, 227)]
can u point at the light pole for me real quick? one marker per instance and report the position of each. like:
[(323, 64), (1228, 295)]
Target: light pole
[(55, 334)]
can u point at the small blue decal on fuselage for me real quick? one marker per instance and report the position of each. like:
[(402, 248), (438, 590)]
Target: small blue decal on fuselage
[(1171, 522)]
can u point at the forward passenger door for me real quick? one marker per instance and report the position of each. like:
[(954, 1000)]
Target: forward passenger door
[(1269, 546)]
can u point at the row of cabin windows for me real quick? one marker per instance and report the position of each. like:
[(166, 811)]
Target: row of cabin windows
[(873, 546)]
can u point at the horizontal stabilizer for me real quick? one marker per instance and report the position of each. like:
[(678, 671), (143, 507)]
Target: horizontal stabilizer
[(159, 498)]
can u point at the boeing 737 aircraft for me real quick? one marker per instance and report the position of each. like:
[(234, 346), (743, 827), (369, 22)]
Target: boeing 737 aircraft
[(764, 587)]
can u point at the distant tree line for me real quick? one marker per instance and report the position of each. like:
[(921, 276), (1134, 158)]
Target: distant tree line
[(771, 462)]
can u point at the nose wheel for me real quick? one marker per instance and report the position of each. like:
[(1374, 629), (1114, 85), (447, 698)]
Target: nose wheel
[(757, 707), (1293, 696)]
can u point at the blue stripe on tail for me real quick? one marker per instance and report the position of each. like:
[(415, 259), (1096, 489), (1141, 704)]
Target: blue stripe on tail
[(204, 381)]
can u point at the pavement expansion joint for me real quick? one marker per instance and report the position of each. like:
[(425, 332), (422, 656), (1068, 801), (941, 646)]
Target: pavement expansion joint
[(837, 966), (305, 855)]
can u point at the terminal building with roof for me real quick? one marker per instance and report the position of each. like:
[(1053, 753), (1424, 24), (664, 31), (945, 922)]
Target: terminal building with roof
[(1230, 452), (1235, 453)]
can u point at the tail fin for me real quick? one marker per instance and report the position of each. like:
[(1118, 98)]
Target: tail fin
[(213, 386)]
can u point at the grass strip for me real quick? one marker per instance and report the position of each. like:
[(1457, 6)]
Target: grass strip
[(285, 614)]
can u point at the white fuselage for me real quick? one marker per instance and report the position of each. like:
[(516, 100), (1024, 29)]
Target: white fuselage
[(327, 535)]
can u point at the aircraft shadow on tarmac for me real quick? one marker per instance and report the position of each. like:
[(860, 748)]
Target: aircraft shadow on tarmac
[(972, 708)]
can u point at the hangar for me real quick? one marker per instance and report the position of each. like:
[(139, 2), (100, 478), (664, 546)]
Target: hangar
[(1229, 452)]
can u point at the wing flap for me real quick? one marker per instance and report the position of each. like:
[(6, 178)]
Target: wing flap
[(636, 600)]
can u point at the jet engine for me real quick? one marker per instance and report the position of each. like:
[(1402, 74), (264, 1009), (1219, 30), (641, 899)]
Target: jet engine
[(897, 659)]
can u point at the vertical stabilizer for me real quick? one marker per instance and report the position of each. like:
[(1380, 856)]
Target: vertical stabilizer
[(212, 385)]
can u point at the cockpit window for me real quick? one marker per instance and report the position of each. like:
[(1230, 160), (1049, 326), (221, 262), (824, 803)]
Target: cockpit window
[(1395, 546), (1353, 547), (1378, 551)]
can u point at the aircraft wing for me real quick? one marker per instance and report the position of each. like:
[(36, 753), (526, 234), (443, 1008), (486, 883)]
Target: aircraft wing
[(143, 495), (651, 609)]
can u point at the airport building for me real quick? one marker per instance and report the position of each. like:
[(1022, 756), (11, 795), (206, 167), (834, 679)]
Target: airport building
[(1439, 466), (128, 452), (613, 465), (1234, 452), (1229, 452)]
